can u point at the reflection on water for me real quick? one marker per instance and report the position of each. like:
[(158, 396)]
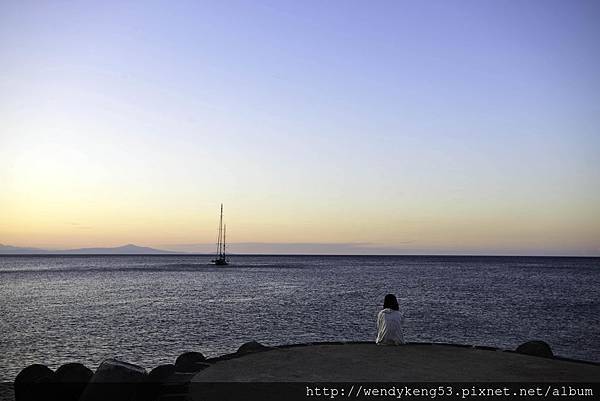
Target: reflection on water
[(149, 309)]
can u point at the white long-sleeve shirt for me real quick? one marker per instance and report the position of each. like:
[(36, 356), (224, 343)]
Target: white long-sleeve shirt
[(389, 327)]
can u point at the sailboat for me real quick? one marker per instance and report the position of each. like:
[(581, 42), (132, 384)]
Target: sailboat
[(221, 259)]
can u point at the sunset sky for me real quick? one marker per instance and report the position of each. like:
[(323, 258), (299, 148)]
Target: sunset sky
[(428, 127)]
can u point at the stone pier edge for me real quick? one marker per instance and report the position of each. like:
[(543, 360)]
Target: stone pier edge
[(265, 348)]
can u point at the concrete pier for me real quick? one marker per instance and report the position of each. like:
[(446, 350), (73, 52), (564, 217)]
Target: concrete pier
[(408, 363)]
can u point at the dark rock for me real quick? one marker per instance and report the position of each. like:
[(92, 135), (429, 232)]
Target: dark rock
[(33, 374), (155, 386), (252, 346), (161, 374), (115, 371), (32, 383), (535, 348), (73, 373), (190, 362), (71, 379), (115, 380)]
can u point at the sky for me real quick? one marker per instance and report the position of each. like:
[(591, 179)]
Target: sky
[(408, 127)]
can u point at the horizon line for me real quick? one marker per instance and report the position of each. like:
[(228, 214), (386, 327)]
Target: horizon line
[(178, 253)]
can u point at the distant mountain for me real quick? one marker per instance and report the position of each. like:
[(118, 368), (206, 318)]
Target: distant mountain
[(16, 250), (128, 249)]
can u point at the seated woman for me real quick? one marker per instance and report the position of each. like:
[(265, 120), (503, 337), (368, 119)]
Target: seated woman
[(389, 323)]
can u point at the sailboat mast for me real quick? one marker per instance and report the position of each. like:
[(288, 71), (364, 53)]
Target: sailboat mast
[(221, 226), (220, 241), (220, 259)]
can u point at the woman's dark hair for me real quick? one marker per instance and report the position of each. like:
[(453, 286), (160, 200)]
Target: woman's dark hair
[(390, 302)]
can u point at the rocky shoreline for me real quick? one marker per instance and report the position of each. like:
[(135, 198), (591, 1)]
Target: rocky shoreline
[(118, 380)]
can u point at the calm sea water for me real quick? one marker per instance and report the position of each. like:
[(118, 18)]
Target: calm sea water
[(149, 309)]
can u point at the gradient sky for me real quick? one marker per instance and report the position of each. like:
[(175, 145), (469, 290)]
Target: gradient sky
[(386, 126)]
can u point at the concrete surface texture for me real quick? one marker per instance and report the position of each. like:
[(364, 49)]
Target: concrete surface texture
[(404, 363)]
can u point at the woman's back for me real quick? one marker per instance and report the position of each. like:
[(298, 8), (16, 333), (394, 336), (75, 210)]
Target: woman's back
[(389, 327), (389, 323)]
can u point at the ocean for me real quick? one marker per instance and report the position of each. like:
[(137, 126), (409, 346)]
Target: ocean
[(149, 309)]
